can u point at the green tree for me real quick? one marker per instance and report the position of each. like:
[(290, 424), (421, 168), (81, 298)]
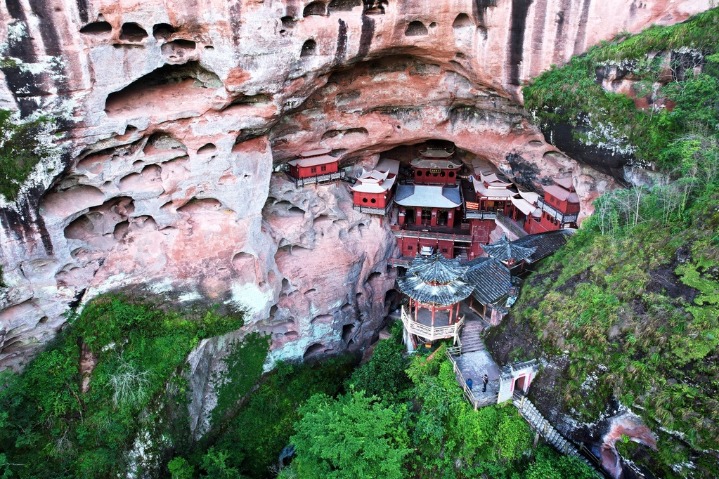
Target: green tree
[(215, 466), (352, 437), (180, 469), (384, 374), (549, 465)]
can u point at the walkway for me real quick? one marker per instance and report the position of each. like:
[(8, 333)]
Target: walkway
[(512, 229), (545, 429), (471, 360)]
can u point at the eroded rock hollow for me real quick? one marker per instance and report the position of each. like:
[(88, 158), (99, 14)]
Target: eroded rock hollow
[(177, 115)]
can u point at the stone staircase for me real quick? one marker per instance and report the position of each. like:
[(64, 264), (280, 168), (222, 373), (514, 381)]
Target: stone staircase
[(470, 337), (535, 419)]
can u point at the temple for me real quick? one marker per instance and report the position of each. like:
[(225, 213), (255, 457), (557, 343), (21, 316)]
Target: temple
[(314, 167), (436, 202), (558, 209), (435, 286), (373, 191)]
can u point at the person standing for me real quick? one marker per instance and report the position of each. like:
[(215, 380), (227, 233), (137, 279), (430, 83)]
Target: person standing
[(485, 380), (469, 383)]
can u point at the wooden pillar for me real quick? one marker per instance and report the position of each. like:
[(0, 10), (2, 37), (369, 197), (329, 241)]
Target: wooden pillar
[(451, 310), (434, 308)]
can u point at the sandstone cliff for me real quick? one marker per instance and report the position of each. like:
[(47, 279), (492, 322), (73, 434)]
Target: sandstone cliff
[(175, 113)]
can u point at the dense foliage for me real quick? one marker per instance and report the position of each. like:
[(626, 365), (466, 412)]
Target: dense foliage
[(21, 148), (573, 95), (352, 436), (250, 440), (434, 433), (51, 427), (634, 298)]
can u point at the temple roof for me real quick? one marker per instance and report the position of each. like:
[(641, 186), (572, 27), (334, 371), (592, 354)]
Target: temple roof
[(452, 287), (530, 196), (428, 196), (561, 193), (504, 250), (373, 182), (389, 166), (567, 183), (373, 176), (491, 178), (313, 161), (523, 205), (436, 152), (498, 192), (490, 278), (435, 163), (544, 244), (436, 268)]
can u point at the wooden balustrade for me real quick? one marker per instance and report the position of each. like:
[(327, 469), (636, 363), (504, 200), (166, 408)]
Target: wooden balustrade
[(431, 333)]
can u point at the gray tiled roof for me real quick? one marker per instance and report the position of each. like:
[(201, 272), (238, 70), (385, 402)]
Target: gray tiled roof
[(492, 280), (544, 244), (436, 269), (403, 191), (428, 196), (504, 250), (436, 280), (452, 193), (486, 279), (444, 294)]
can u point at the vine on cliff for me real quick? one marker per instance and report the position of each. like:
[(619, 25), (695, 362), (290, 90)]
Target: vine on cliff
[(23, 144)]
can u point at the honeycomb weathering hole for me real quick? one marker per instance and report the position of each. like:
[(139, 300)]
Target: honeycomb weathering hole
[(207, 149), (314, 8), (309, 48), (132, 32), (162, 31), (159, 90), (96, 28), (343, 5), (416, 29), (462, 21)]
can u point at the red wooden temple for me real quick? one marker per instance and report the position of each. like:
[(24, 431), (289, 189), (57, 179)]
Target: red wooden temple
[(313, 167), (557, 210), (374, 189)]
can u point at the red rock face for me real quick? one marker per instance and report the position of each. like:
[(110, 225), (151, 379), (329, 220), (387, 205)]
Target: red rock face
[(624, 426), (176, 113)]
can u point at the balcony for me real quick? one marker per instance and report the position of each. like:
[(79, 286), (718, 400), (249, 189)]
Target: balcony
[(470, 214), (556, 214), (373, 211), (424, 329), (312, 180), (447, 234)]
